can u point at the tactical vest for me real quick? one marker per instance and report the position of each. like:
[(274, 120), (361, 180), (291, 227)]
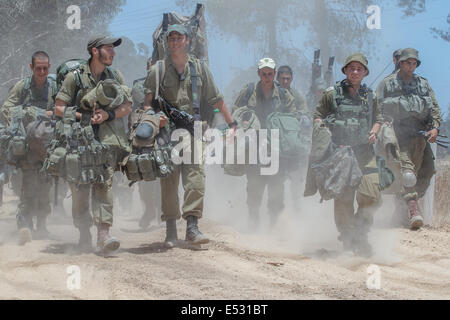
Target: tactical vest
[(28, 98), (74, 154), (350, 121), (150, 157), (409, 105)]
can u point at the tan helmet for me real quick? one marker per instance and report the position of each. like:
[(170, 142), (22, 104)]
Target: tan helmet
[(410, 53), (356, 57)]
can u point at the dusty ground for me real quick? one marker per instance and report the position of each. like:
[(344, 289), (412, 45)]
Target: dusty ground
[(298, 259)]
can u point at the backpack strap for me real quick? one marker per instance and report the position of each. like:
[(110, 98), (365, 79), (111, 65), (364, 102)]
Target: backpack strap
[(159, 74), (249, 92), (26, 90), (194, 85)]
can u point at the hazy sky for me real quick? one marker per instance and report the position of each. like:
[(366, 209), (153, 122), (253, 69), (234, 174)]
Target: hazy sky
[(139, 19)]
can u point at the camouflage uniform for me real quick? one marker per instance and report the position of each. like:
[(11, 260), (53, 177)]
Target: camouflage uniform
[(35, 193), (353, 226), (256, 183), (177, 90), (149, 191), (415, 151), (102, 197)]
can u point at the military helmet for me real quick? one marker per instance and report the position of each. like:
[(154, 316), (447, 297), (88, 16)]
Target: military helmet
[(356, 57), (410, 53), (397, 53)]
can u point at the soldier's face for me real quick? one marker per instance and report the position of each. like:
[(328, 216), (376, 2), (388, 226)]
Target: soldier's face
[(285, 79), (40, 69), (177, 42), (267, 75), (355, 72), (106, 54), (408, 66)]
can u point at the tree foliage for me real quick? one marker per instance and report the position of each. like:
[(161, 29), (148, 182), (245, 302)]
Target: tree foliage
[(30, 25)]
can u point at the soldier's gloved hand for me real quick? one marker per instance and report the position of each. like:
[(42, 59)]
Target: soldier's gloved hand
[(432, 135)]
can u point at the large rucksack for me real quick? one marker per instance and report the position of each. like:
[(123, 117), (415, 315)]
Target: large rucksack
[(196, 27), (288, 126), (72, 65)]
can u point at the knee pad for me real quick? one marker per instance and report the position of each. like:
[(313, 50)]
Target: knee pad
[(409, 179)]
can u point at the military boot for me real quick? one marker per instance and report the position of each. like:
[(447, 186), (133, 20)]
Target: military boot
[(25, 227), (361, 246), (105, 242), (193, 235), (85, 241), (41, 232), (171, 234), (415, 219), (347, 241)]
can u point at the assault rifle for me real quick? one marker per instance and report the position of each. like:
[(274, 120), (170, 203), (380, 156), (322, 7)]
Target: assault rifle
[(180, 118)]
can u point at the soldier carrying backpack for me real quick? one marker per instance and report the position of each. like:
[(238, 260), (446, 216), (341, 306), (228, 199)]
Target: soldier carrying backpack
[(99, 121), (30, 105)]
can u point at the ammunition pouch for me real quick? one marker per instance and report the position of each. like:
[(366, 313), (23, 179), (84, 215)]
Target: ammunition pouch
[(74, 154)]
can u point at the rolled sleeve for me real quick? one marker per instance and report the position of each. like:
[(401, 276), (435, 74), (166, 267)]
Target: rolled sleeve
[(68, 89), (211, 94), (150, 81)]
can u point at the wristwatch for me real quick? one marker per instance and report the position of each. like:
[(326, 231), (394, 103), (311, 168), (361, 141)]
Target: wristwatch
[(232, 124)]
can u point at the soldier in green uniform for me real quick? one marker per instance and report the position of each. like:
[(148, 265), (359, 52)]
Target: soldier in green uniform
[(395, 57), (176, 87), (409, 100), (265, 97), (284, 78), (346, 104), (101, 50), (37, 90), (149, 191)]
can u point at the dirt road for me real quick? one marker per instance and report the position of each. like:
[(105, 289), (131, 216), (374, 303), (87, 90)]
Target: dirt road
[(298, 259)]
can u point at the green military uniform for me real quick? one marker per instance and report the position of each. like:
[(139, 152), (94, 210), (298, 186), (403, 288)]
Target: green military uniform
[(337, 104), (397, 97), (177, 90), (111, 133), (256, 183), (35, 193), (299, 101), (149, 191)]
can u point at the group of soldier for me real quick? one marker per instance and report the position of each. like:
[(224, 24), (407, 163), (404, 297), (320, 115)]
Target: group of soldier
[(403, 98)]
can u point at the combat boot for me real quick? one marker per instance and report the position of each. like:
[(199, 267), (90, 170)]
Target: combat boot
[(361, 246), (171, 234), (25, 226), (105, 242), (41, 232), (193, 235), (85, 241), (415, 219), (347, 241)]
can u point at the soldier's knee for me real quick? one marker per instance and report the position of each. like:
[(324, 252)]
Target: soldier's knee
[(409, 178)]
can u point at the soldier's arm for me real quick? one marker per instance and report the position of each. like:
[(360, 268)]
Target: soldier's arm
[(66, 95), (149, 87), (324, 107), (14, 99), (290, 103), (436, 118), (378, 121)]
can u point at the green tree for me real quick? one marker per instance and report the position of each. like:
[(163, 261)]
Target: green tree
[(30, 25)]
